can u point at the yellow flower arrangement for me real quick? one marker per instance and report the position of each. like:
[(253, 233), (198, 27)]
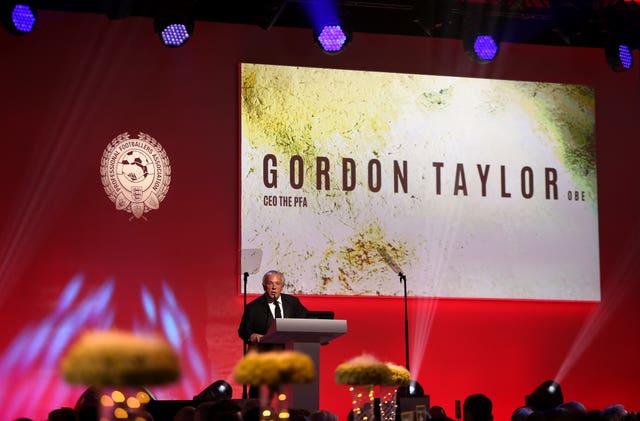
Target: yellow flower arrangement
[(362, 370), (274, 368), (398, 376), (119, 358)]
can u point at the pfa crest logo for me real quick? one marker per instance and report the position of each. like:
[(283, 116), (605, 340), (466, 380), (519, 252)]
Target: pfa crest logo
[(135, 173)]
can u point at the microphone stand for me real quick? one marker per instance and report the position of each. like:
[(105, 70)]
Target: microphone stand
[(244, 343), (403, 279)]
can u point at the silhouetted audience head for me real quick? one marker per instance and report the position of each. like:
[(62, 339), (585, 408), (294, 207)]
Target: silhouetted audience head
[(521, 414), (88, 405), (437, 412), (574, 407), (614, 412), (546, 396), (575, 411), (536, 416), (251, 410), (555, 414), (546, 403), (142, 415), (223, 410), (63, 414), (323, 415), (477, 407), (298, 414), (186, 413), (593, 415), (251, 414)]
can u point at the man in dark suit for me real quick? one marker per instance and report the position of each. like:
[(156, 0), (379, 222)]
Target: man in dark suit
[(259, 313)]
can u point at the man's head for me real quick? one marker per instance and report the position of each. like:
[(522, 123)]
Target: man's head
[(477, 407), (222, 410), (272, 283)]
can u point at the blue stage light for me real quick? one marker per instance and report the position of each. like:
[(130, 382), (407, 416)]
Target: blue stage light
[(626, 58), (23, 17), (174, 23), (481, 47), (19, 18), (619, 56), (175, 34), (331, 29), (485, 47)]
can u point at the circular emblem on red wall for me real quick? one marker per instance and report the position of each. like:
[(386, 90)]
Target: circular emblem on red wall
[(135, 173)]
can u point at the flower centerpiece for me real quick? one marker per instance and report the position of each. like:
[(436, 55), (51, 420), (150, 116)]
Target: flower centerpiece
[(274, 368), (273, 371), (398, 376), (361, 374), (119, 358), (118, 363)]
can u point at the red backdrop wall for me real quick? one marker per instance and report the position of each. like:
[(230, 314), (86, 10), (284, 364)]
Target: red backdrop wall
[(80, 80)]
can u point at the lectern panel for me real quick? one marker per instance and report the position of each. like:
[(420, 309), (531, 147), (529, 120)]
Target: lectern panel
[(284, 331), (305, 335)]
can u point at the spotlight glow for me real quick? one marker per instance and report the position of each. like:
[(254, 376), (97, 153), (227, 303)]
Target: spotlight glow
[(38, 346)]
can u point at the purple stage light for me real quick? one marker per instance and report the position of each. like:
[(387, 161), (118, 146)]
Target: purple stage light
[(175, 34), (626, 58), (485, 47), (23, 18), (332, 38), (619, 56)]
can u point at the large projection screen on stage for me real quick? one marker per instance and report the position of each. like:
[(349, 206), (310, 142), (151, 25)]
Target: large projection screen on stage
[(472, 188)]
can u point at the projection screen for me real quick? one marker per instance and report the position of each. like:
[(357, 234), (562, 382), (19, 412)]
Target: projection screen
[(471, 188)]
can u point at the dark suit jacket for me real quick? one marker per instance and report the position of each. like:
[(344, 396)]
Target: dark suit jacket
[(257, 317)]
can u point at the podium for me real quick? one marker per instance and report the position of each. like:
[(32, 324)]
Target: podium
[(305, 335)]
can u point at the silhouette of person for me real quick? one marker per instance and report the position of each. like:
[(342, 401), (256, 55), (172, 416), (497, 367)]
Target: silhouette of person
[(477, 407)]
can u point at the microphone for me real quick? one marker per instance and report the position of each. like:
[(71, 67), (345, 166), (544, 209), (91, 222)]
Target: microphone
[(389, 261)]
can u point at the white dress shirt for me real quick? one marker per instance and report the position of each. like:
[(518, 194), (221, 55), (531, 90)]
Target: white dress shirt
[(272, 307)]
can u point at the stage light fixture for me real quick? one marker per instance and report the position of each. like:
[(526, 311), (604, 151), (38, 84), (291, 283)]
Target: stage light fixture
[(619, 56), (482, 33), (331, 26), (19, 18), (414, 389), (332, 38), (174, 32), (174, 21), (481, 47), (216, 391)]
